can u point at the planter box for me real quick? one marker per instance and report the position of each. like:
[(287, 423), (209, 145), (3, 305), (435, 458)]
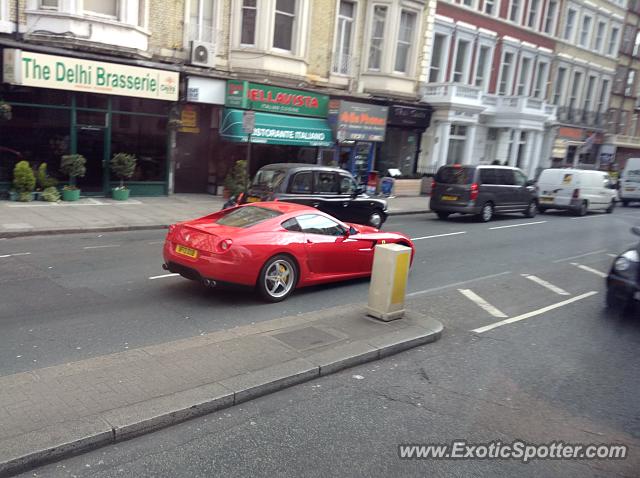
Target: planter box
[(70, 194), (407, 187), (120, 194)]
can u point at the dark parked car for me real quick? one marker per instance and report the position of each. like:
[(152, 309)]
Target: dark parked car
[(483, 191), (331, 190), (623, 281)]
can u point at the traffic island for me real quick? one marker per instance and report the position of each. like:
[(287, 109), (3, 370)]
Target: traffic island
[(52, 413)]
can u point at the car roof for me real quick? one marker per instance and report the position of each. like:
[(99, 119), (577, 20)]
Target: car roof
[(314, 167), (282, 206), (480, 166)]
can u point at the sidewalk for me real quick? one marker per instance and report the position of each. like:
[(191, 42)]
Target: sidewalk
[(53, 412), (105, 214)]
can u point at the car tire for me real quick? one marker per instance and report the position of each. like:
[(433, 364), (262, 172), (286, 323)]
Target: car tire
[(486, 213), (532, 210), (278, 278), (611, 207), (443, 215), (582, 209), (376, 219)]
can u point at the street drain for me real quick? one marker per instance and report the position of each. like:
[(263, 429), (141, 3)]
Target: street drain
[(306, 338)]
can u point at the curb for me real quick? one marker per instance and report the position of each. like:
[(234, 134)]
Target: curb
[(146, 227), (145, 417)]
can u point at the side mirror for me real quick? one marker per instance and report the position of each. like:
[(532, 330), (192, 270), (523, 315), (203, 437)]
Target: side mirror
[(636, 230), (359, 190), (530, 182), (352, 231)]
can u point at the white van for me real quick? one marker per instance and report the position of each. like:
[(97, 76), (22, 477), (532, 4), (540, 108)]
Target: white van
[(630, 182), (577, 190)]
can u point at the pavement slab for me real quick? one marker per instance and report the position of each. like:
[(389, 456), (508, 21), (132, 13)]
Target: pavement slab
[(50, 413)]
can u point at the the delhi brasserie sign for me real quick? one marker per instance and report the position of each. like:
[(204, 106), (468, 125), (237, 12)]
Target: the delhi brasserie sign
[(65, 73), (273, 99)]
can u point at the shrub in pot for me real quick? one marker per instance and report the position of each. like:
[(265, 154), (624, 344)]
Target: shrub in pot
[(123, 166), (24, 181), (51, 194), (237, 179), (73, 165)]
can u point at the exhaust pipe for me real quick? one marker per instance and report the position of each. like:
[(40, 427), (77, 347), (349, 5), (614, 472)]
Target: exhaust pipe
[(209, 283)]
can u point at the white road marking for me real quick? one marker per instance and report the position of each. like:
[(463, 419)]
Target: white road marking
[(591, 216), (612, 255), (163, 276), (480, 302), (102, 247), (517, 225), (438, 235), (533, 313), (589, 269), (153, 243), (544, 283), (457, 284), (16, 254), (580, 255)]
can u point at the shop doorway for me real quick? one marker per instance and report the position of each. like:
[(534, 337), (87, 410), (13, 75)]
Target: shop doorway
[(92, 144)]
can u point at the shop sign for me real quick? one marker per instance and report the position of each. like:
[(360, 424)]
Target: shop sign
[(559, 149), (358, 121), (64, 73), (273, 99), (206, 90), (409, 116), (189, 120), (607, 152)]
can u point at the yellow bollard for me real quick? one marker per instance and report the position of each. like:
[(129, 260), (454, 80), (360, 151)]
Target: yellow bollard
[(389, 281)]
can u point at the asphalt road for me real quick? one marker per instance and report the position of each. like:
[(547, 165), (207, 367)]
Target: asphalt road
[(565, 368)]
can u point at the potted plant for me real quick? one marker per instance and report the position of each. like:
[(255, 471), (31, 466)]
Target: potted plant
[(123, 166), (237, 179), (51, 194), (44, 181), (73, 165), (24, 181)]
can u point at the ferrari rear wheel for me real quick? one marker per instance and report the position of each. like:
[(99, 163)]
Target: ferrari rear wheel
[(278, 278)]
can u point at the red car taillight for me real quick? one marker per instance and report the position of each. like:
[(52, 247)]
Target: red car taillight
[(576, 193), (433, 184), (224, 245), (474, 191)]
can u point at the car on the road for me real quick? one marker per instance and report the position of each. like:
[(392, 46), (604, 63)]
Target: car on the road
[(623, 281), (273, 246), (482, 190), (328, 189), (629, 184), (576, 190)]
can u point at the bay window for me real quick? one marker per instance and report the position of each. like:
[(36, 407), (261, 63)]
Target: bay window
[(248, 27), (438, 58), (101, 7), (48, 4), (405, 38), (506, 73), (377, 37), (523, 81), (344, 38), (284, 24), (201, 15), (483, 62), (540, 85), (558, 91)]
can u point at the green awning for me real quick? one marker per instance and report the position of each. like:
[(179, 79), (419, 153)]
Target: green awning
[(277, 129)]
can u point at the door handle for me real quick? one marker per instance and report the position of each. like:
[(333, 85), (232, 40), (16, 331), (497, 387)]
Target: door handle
[(345, 204), (316, 204)]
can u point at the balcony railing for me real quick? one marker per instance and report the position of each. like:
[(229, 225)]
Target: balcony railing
[(580, 117), (451, 93), (342, 64)]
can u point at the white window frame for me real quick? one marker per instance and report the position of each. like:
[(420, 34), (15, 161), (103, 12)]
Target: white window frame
[(636, 46), (410, 67), (385, 35), (569, 34), (46, 7), (256, 30), (599, 40), (578, 86), (294, 28), (526, 86), (603, 95), (630, 89), (553, 21), (461, 37), (215, 13), (615, 46), (520, 4), (496, 7), (338, 41), (444, 54), (486, 74), (585, 35), (536, 12), (120, 7), (588, 103), (542, 92), (560, 88), (509, 81)]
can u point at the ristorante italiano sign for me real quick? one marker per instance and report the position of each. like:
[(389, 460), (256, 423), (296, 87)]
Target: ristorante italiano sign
[(65, 73)]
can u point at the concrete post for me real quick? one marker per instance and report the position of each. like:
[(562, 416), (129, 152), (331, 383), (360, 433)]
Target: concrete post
[(469, 144), (515, 145), (389, 281), (443, 141)]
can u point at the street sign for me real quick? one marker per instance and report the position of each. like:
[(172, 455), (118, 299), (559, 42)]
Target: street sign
[(248, 121)]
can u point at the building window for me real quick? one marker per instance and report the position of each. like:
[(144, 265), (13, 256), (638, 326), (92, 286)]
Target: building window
[(540, 86), (482, 67), (457, 139), (569, 27), (525, 73), (249, 13), (344, 38), (550, 19), (534, 10), (285, 17), (602, 98), (467, 3), (515, 10), (599, 40), (489, 7), (585, 31), (436, 71), (461, 64), (575, 90), (102, 7), (48, 4), (628, 39), (631, 81), (201, 20), (636, 45), (613, 41), (559, 88), (377, 37), (405, 38), (588, 95), (506, 71)]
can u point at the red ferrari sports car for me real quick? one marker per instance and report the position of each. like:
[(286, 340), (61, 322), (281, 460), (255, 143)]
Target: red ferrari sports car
[(273, 246)]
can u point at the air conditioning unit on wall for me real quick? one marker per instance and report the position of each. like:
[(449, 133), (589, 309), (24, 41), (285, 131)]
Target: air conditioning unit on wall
[(203, 54)]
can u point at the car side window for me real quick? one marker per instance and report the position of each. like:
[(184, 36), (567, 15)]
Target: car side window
[(347, 185), (505, 177), (302, 182), (292, 225), (520, 178), (488, 176), (316, 224), (325, 183)]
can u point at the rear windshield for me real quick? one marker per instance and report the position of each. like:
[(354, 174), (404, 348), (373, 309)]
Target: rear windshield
[(632, 176), (268, 178), (453, 175), (247, 216)]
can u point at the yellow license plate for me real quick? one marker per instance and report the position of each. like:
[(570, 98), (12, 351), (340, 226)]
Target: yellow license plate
[(629, 189), (449, 198), (546, 200), (186, 251), (253, 199)]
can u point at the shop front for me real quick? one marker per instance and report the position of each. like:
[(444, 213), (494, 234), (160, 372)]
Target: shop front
[(290, 125), (62, 105), (359, 128), (576, 148)]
